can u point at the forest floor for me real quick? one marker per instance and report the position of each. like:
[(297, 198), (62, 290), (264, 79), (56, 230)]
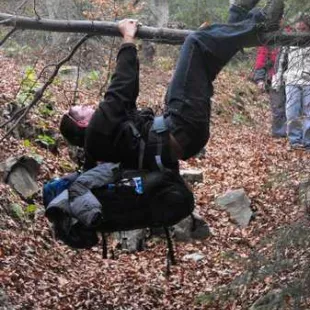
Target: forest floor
[(37, 272)]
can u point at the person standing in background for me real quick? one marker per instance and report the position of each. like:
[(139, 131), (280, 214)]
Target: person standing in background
[(267, 79), (295, 63)]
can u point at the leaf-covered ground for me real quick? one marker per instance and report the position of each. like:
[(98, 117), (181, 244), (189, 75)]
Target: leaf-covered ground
[(39, 273)]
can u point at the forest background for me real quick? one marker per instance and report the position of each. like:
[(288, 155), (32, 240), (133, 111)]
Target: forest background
[(263, 266)]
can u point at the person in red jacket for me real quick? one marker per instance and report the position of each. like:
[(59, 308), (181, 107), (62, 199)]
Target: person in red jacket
[(266, 66)]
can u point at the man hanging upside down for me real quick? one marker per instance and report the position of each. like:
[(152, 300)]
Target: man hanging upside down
[(118, 132)]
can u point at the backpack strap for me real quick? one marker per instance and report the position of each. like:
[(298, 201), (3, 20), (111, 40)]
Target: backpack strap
[(160, 127), (170, 254), (137, 135)]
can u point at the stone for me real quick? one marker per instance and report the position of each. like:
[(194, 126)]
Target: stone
[(196, 257), (191, 228), (69, 72), (21, 180), (131, 241), (21, 174), (237, 204), (192, 175), (5, 168)]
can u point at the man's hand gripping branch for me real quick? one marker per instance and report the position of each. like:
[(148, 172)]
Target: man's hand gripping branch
[(128, 28)]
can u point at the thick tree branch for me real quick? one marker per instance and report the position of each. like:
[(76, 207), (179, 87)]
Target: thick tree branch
[(160, 35)]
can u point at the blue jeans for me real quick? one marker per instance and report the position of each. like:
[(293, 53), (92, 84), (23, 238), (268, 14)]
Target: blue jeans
[(204, 53), (298, 114)]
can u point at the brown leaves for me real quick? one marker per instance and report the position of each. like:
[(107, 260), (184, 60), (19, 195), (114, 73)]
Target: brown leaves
[(39, 273)]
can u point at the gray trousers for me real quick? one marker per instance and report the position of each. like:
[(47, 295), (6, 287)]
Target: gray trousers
[(277, 102)]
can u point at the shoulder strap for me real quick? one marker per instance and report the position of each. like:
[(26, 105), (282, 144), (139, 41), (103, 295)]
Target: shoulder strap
[(159, 126), (137, 134)]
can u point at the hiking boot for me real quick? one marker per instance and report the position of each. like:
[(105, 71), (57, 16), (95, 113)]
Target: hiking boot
[(297, 146), (245, 4), (273, 12)]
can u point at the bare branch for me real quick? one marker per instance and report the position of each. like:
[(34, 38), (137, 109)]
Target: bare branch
[(17, 113), (5, 21), (20, 6), (35, 10), (7, 36), (40, 92), (160, 35), (76, 88)]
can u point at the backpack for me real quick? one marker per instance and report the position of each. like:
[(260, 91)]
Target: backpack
[(127, 200), (141, 199)]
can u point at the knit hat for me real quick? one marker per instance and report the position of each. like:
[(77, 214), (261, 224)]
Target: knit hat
[(72, 131)]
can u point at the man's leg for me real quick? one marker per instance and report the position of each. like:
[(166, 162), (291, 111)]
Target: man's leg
[(293, 114), (306, 112), (203, 55), (114, 109), (239, 9), (277, 102)]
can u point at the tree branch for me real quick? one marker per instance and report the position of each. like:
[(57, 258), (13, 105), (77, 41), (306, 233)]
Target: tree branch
[(40, 92), (7, 36), (160, 35)]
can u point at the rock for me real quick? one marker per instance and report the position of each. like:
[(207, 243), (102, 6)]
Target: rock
[(192, 227), (5, 168), (21, 174), (22, 182), (131, 241), (192, 175), (196, 257), (237, 204), (69, 72)]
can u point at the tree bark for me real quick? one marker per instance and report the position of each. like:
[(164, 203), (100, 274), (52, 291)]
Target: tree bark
[(159, 35)]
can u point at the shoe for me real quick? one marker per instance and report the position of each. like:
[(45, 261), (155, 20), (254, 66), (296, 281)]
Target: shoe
[(297, 146), (278, 136), (245, 4), (273, 12)]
